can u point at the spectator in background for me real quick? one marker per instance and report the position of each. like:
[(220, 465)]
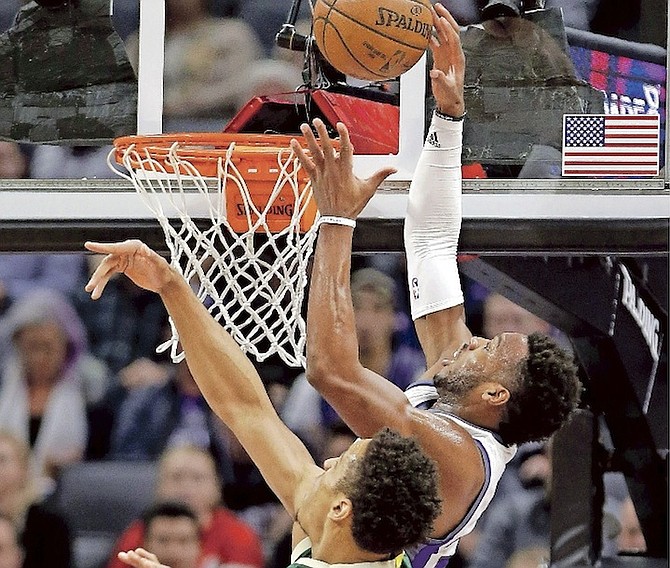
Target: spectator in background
[(520, 520), (207, 61), (22, 274), (535, 557), (576, 13), (13, 161), (187, 474), (42, 393), (500, 315), (70, 162), (517, 521), (374, 298), (125, 325), (272, 76), (8, 10), (172, 533), (11, 553), (266, 17), (152, 407), (43, 534)]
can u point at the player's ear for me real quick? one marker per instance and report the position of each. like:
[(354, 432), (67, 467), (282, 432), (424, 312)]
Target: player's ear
[(340, 508), (494, 394)]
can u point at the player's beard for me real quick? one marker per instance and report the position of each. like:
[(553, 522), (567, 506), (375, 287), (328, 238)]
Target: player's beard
[(453, 386)]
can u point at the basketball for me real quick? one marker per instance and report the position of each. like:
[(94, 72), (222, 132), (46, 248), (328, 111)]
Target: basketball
[(373, 40)]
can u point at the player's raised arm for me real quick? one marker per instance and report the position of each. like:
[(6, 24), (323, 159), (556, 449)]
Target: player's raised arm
[(362, 398), (433, 219), (226, 377)]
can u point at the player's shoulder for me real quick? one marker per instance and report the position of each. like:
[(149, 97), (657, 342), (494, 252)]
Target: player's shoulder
[(434, 423)]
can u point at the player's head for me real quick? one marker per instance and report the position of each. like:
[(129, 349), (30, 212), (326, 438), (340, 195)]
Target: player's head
[(384, 488), (547, 392), (527, 380)]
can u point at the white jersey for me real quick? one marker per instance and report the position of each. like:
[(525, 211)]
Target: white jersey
[(435, 552)]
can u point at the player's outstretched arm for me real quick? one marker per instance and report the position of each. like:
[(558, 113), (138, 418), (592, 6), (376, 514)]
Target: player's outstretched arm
[(433, 219), (225, 376), (362, 398)]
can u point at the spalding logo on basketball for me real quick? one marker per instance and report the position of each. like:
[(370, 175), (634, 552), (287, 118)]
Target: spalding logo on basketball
[(373, 40)]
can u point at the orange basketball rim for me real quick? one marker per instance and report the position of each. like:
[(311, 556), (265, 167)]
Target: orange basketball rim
[(263, 163)]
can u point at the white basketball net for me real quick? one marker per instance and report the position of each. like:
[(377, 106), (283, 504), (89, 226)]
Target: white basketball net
[(252, 282)]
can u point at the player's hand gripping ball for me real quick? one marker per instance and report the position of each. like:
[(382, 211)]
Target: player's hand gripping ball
[(373, 40)]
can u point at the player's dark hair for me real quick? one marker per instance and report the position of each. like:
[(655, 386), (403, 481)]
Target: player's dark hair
[(547, 393), (393, 491)]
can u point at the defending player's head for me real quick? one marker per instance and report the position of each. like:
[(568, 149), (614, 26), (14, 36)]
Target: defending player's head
[(525, 387), (393, 491), (384, 489)]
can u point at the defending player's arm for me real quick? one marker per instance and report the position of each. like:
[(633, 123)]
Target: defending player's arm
[(363, 399), (226, 377)]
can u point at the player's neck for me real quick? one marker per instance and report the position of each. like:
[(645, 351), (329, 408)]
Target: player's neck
[(336, 546), (471, 414)]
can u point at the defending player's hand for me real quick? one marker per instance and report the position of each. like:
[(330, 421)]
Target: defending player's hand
[(336, 189), (133, 258), (448, 72), (140, 558)]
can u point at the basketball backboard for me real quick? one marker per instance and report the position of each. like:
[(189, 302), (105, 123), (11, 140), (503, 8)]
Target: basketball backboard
[(493, 200)]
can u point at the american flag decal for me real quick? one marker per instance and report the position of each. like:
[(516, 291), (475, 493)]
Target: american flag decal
[(611, 145)]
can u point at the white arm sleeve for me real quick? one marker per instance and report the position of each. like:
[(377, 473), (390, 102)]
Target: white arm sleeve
[(433, 221)]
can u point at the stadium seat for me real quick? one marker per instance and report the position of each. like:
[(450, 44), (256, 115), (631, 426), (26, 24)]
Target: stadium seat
[(99, 500)]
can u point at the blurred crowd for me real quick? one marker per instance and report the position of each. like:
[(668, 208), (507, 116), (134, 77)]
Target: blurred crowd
[(81, 382)]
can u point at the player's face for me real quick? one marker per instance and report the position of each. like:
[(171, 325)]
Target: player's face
[(481, 360), (336, 468), (319, 499)]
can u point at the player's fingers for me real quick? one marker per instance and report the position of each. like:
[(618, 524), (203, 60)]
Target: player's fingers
[(306, 162), (132, 558), (445, 32), (346, 147), (437, 75), (103, 248), (312, 144), (434, 45), (324, 139), (146, 554), (379, 176), (444, 13), (109, 266)]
